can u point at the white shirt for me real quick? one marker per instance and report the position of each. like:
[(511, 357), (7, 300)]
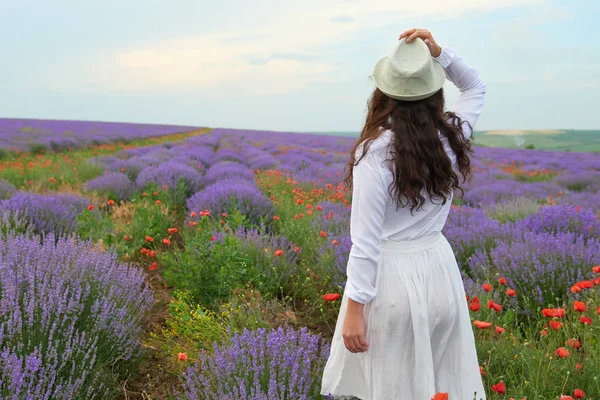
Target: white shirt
[(374, 216)]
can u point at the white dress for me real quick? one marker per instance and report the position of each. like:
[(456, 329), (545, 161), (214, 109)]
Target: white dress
[(418, 326)]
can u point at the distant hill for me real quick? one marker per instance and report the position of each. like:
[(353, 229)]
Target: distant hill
[(565, 140)]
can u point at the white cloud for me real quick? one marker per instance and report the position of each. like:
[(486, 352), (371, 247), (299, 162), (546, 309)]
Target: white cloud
[(225, 61)]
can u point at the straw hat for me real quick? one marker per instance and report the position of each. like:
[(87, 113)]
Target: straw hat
[(409, 73)]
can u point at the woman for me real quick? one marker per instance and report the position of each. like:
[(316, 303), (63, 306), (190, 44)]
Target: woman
[(403, 331)]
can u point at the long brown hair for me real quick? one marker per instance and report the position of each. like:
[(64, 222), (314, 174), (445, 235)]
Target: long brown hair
[(418, 161)]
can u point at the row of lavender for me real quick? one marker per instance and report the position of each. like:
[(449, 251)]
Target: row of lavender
[(34, 134)]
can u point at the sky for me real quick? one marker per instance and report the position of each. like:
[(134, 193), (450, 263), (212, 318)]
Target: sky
[(288, 65)]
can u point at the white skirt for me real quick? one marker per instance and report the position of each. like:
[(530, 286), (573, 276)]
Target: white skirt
[(418, 328)]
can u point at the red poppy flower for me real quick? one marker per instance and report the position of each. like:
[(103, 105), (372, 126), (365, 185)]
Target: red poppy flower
[(193, 214), (585, 320), (151, 253), (319, 208), (544, 332), (499, 330), (90, 207), (495, 306), (155, 193), (596, 269), (511, 292), (110, 202), (487, 287), (499, 387), (579, 306), (52, 180), (474, 305), (562, 352), (192, 223), (579, 366), (164, 187), (555, 325), (481, 371), (482, 324), (331, 296), (157, 202), (275, 218), (182, 356), (574, 343), (440, 396), (578, 394), (212, 238), (553, 312), (585, 284), (166, 242), (170, 231), (149, 239), (502, 281), (575, 289), (335, 242), (296, 249), (322, 234), (224, 215), (153, 266), (563, 397), (279, 253), (126, 238), (144, 194)]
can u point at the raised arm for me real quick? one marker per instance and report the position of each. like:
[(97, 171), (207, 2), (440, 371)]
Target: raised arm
[(470, 84), (472, 87)]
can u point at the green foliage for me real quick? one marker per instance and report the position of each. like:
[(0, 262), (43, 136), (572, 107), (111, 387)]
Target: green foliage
[(513, 209), (188, 329), (208, 269), (530, 147)]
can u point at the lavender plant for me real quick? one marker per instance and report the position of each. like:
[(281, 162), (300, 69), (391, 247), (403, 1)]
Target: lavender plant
[(260, 365), (71, 316)]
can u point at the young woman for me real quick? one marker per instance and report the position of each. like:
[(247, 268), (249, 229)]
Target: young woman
[(403, 331)]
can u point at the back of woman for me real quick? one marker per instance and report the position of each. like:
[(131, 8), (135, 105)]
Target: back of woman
[(403, 330)]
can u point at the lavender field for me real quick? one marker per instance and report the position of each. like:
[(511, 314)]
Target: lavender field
[(211, 267), (38, 135)]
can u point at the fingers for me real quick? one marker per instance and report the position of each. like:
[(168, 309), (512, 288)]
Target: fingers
[(356, 344), (407, 33), (414, 33)]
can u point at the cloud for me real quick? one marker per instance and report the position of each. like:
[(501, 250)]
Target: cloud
[(275, 50)]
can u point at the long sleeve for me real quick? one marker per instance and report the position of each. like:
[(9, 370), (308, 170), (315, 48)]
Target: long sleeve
[(369, 200), (470, 84)]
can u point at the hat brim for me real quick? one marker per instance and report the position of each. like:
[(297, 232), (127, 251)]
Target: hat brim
[(439, 78)]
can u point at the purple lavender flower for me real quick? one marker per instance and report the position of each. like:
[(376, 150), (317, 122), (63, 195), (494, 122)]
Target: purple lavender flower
[(228, 154), (227, 197), (226, 171), (53, 213), (170, 174), (540, 265), (281, 364), (59, 135), (117, 185), (563, 218), (70, 315)]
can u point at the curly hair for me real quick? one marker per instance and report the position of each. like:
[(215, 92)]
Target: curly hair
[(419, 164)]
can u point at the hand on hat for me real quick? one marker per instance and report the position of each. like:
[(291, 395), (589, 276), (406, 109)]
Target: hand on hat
[(424, 34)]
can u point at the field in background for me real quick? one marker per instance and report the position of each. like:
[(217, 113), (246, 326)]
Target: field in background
[(564, 140)]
